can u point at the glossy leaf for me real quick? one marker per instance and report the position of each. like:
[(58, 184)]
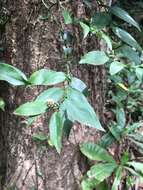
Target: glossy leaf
[(134, 127), (12, 75), (107, 39), (55, 127), (67, 17), (116, 131), (31, 120), (67, 126), (86, 185), (101, 171), (117, 180), (117, 11), (120, 116), (138, 166), (136, 136), (31, 109), (96, 152), (86, 29), (107, 140), (94, 58), (78, 109), (132, 171), (127, 52), (78, 84), (124, 158), (39, 137), (137, 145), (127, 38), (139, 74), (100, 20), (116, 67), (54, 94), (2, 104), (46, 77), (89, 184)]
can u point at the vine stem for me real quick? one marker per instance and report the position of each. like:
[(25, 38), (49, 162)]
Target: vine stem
[(68, 67), (45, 4)]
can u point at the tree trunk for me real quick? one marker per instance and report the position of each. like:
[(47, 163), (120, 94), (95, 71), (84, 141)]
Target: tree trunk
[(32, 43)]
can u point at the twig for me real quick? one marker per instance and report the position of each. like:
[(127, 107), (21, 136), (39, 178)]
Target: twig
[(50, 7), (45, 4), (64, 2), (23, 181)]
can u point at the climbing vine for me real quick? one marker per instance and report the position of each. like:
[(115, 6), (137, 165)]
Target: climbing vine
[(66, 101)]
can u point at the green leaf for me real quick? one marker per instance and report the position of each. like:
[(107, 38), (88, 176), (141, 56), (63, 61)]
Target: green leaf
[(101, 171), (117, 11), (55, 94), (31, 109), (132, 171), (139, 73), (137, 137), (116, 131), (67, 17), (86, 185), (137, 145), (12, 75), (86, 29), (31, 120), (89, 184), (124, 158), (2, 104), (67, 127), (94, 58), (78, 84), (138, 166), (120, 116), (55, 127), (100, 20), (39, 137), (117, 180), (127, 52), (107, 39), (47, 77), (107, 140), (67, 123), (96, 152), (134, 127), (116, 67), (103, 185), (78, 109), (127, 38)]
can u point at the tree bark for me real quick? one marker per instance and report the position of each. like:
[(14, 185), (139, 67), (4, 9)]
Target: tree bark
[(32, 44)]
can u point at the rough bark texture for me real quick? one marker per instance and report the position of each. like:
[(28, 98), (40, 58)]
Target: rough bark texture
[(32, 44)]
